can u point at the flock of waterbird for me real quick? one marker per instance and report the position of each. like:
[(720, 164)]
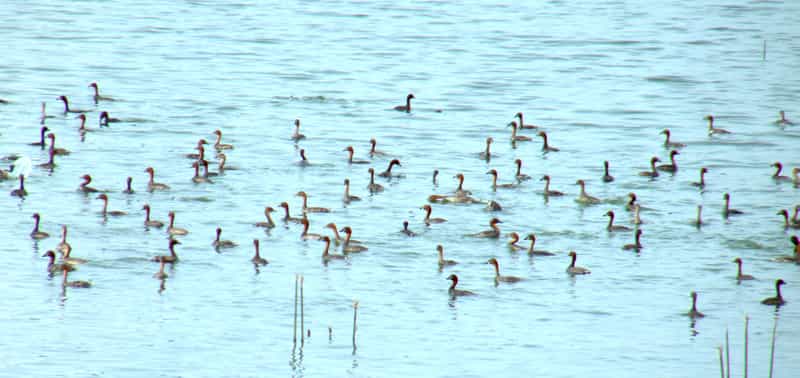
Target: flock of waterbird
[(202, 175)]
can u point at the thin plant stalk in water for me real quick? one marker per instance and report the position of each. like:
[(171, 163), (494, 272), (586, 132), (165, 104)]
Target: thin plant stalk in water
[(727, 354), (355, 327), (302, 314), (772, 349), (746, 324), (294, 339)]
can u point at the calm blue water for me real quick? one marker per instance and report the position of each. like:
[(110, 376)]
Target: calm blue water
[(603, 78)]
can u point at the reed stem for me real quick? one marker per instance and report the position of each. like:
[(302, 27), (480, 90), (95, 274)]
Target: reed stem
[(727, 355), (302, 314), (746, 325), (772, 349), (294, 339), (721, 365), (355, 326)]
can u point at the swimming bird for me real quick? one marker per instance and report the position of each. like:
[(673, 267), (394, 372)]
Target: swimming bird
[(713, 130), (699, 220), (20, 192), (583, 197), (150, 222), (305, 235), (56, 150), (218, 144), (702, 183), (36, 233), (739, 275), (457, 292), (795, 257), (519, 175), (52, 267), (82, 129), (217, 243), (303, 162), (373, 187), (777, 176), (492, 205), (652, 173), (75, 284), (222, 167), (257, 259), (388, 171), (373, 152), (777, 300), (406, 231), (105, 119), (727, 211), (786, 223), (783, 120), (606, 176), (44, 115), (347, 198), (172, 257), (106, 212), (197, 178), (84, 186), (200, 151), (495, 185), (428, 220), (487, 153), (512, 243), (547, 192), (575, 270), (460, 192), (672, 166), (153, 186), (515, 137), (668, 143), (97, 97), (611, 226), (128, 189), (493, 233), (286, 217), (522, 124), (68, 259), (350, 153), (326, 255), (307, 209), (269, 223), (546, 147), (407, 107), (637, 245), (172, 230), (349, 245), (501, 278), (297, 136), (67, 109), (796, 177), (693, 313), (42, 133), (631, 201), (63, 245), (536, 252)]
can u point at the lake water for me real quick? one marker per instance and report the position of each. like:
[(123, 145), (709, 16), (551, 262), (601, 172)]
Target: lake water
[(603, 78)]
